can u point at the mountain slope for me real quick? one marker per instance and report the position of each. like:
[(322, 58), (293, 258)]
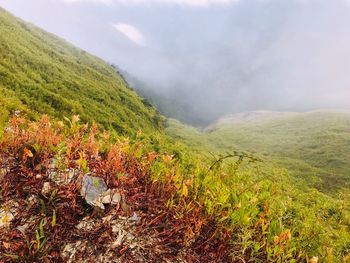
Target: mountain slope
[(313, 146), (41, 73)]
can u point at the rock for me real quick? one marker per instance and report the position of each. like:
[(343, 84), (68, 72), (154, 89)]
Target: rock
[(46, 190), (111, 197), (134, 217), (93, 189), (5, 217), (23, 228), (95, 192), (61, 177)]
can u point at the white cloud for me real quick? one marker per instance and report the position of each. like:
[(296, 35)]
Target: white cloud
[(194, 3), (131, 32)]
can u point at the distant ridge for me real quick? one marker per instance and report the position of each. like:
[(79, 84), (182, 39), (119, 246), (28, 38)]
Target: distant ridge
[(252, 116), (265, 115)]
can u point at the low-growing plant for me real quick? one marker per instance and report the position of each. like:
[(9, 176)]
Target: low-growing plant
[(236, 208)]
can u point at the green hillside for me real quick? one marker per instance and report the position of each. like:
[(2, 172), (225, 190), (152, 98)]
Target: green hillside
[(305, 155), (313, 146), (41, 73)]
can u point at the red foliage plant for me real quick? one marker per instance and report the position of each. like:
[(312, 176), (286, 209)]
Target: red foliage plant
[(180, 231)]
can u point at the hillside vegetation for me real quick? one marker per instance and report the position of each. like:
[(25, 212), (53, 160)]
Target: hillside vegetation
[(41, 73), (305, 155), (231, 206), (239, 209), (313, 146)]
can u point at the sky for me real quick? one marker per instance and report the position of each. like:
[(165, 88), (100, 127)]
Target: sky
[(213, 57)]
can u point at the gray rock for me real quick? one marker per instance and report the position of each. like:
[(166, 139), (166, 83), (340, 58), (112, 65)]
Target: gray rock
[(134, 217), (95, 192), (111, 197), (93, 189), (23, 228)]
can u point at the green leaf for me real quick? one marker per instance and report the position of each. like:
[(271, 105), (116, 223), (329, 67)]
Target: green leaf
[(95, 182)]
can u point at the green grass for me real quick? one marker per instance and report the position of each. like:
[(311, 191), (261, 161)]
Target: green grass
[(314, 146), (306, 160), (44, 74)]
